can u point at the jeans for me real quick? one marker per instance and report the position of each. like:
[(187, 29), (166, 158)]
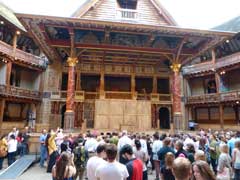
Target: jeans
[(11, 158), (43, 155), (1, 162), (214, 165), (237, 174)]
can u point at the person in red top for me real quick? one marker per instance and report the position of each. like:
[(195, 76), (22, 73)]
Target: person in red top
[(134, 165)]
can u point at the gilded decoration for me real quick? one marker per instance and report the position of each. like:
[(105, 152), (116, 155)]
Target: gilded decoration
[(175, 67), (72, 61)]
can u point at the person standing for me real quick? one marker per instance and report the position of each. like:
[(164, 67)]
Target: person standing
[(112, 169), (95, 161), (134, 165), (182, 169), (64, 168), (43, 148), (12, 149), (157, 145), (3, 149), (236, 160), (143, 156), (52, 150)]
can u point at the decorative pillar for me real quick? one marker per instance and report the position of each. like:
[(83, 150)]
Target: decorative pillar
[(221, 114), (102, 83), (176, 92), (133, 83), (69, 114), (154, 91), (78, 81), (218, 82), (8, 73)]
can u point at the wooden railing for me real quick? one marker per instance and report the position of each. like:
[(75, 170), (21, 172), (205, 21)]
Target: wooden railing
[(81, 95), (118, 95), (128, 14), (210, 66), (198, 68), (21, 55), (214, 98), (19, 92)]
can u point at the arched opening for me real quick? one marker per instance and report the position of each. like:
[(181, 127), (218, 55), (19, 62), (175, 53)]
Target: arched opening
[(164, 118), (63, 110)]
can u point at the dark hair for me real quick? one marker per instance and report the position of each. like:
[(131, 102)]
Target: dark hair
[(138, 144), (111, 151), (101, 148), (46, 141), (156, 135), (127, 149), (12, 136), (61, 165)]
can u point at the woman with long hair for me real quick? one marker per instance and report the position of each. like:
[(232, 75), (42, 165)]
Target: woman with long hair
[(3, 149), (64, 168), (202, 171)]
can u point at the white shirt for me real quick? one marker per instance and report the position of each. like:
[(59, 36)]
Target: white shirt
[(91, 145), (92, 165), (112, 171), (144, 145), (12, 145), (157, 145), (123, 141)]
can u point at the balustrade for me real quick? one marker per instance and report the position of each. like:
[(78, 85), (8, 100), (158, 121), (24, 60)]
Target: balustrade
[(126, 14), (21, 55), (215, 97), (19, 92)]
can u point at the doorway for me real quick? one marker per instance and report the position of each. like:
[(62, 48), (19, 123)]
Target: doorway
[(164, 118), (63, 110)]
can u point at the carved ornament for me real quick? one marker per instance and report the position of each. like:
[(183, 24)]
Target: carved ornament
[(72, 61), (175, 67)]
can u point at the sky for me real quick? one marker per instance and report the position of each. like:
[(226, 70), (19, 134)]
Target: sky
[(198, 14)]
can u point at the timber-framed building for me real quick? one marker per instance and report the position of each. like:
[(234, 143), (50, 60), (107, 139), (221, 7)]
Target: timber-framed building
[(118, 64)]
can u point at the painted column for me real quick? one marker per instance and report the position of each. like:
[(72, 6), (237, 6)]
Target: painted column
[(8, 73), (133, 83), (69, 114), (102, 83), (176, 92), (154, 91)]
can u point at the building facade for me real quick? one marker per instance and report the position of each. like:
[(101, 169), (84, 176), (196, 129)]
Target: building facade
[(116, 65)]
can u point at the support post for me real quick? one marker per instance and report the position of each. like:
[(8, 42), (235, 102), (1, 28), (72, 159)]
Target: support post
[(2, 106), (176, 91), (69, 114), (8, 73), (102, 83), (133, 83), (154, 91)]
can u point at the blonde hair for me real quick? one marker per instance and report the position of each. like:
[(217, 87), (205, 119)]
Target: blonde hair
[(181, 168), (200, 155), (169, 158), (224, 148)]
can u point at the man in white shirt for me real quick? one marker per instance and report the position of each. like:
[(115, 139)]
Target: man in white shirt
[(91, 145), (95, 161), (124, 140), (112, 169)]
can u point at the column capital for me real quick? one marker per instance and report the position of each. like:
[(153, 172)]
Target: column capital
[(175, 67), (72, 61)]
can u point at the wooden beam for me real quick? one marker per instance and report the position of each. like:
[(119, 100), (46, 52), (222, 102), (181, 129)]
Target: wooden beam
[(2, 106)]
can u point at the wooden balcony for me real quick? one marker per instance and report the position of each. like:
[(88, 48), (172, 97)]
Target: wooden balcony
[(210, 67), (126, 14), (214, 98), (21, 56), (82, 95), (17, 92)]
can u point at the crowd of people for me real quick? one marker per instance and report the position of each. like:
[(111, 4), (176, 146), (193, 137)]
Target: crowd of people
[(13, 144), (202, 155)]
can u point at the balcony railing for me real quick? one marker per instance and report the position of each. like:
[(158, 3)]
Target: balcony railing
[(214, 98), (210, 66), (19, 92), (81, 95), (127, 14), (21, 55)]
